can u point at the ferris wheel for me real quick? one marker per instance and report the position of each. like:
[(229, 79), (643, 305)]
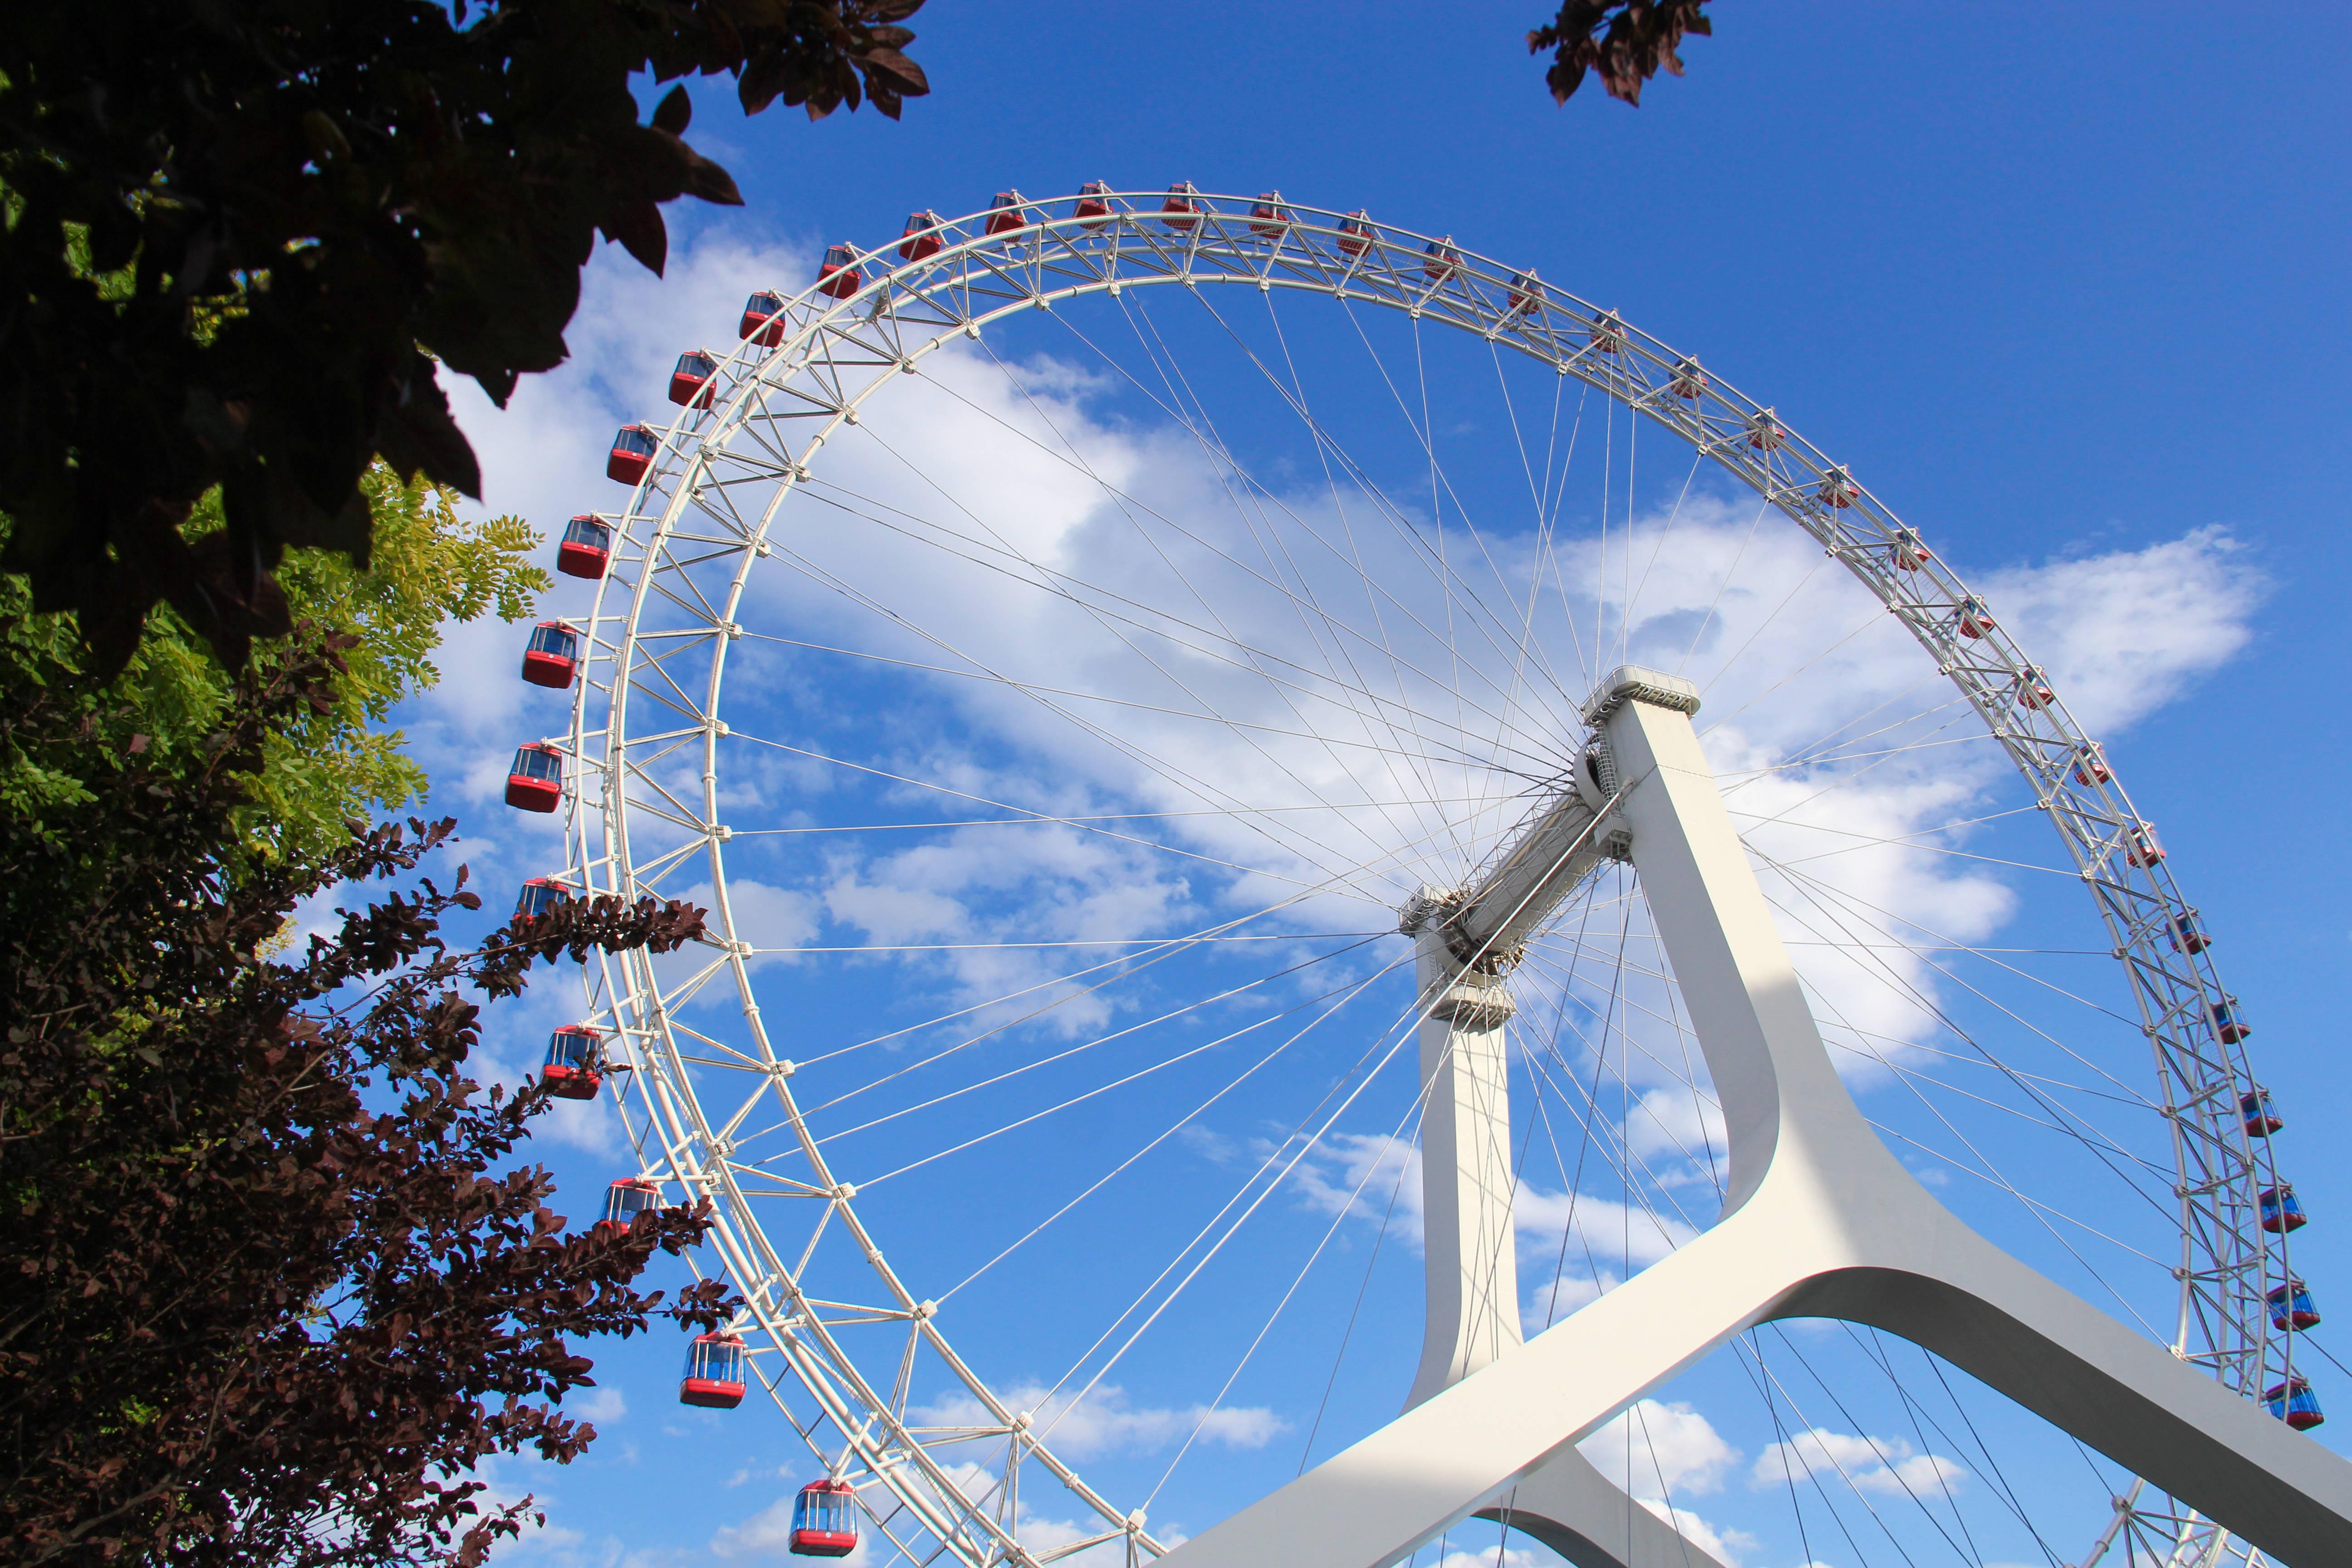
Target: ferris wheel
[(1298, 821)]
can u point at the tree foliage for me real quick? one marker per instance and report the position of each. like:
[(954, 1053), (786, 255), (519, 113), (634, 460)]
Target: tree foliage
[(1627, 41), (267, 1287), (429, 567), (240, 235)]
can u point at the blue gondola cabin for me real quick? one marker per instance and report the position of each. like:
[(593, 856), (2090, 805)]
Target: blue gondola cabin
[(552, 656), (2281, 1210), (586, 549), (2261, 1119), (919, 240), (627, 1198), (634, 447), (2293, 1402), (574, 1068), (535, 777), (763, 319), (824, 1519), (537, 896), (837, 274), (690, 379), (714, 1372), (2291, 1308)]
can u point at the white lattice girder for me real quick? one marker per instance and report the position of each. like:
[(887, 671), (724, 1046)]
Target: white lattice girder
[(1820, 1220)]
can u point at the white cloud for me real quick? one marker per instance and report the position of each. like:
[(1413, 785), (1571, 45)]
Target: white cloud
[(1660, 1450), (1105, 1423), (1884, 1466), (604, 1405), (2123, 633)]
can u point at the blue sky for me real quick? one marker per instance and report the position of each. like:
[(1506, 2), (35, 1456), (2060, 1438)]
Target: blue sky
[(2063, 288)]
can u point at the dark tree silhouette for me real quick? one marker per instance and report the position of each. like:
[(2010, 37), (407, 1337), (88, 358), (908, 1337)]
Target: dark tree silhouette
[(239, 235), (1627, 41), (267, 1285)]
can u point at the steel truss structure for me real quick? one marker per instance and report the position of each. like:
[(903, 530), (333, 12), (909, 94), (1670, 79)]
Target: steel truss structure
[(650, 711)]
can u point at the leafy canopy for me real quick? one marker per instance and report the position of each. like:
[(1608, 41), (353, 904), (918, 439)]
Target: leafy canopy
[(269, 1283), (239, 235), (1627, 41), (429, 567)]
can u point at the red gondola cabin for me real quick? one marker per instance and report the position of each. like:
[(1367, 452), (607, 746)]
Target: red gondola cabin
[(2091, 766), (1689, 382), (574, 1065), (2293, 1402), (2260, 1118), (1182, 208), (2140, 846), (1766, 433), (1356, 233), (2034, 689), (2292, 1308), (1440, 260), (586, 549), (714, 1372), (1007, 213), (1608, 333), (537, 896), (2188, 935), (763, 318), (1094, 203), (2227, 1024), (551, 656), (1527, 292), (824, 1519), (1975, 620), (1269, 217), (2281, 1210), (837, 274), (1907, 553), (627, 1198), (634, 447), (1838, 489), (919, 240), (535, 777), (690, 379)]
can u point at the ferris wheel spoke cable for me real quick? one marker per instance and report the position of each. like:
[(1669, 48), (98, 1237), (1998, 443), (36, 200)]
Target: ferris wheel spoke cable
[(2099, 1148), (1465, 756), (1300, 606), (1342, 991), (2098, 1142)]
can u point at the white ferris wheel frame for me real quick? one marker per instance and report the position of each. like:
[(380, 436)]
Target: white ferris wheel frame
[(770, 411)]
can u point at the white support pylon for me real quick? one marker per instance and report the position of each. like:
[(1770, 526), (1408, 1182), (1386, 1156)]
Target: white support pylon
[(1818, 1220)]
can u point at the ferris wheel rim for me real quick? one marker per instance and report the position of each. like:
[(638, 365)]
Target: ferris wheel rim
[(997, 261)]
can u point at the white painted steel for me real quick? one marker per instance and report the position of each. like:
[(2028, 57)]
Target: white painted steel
[(641, 712), (1820, 1220)]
